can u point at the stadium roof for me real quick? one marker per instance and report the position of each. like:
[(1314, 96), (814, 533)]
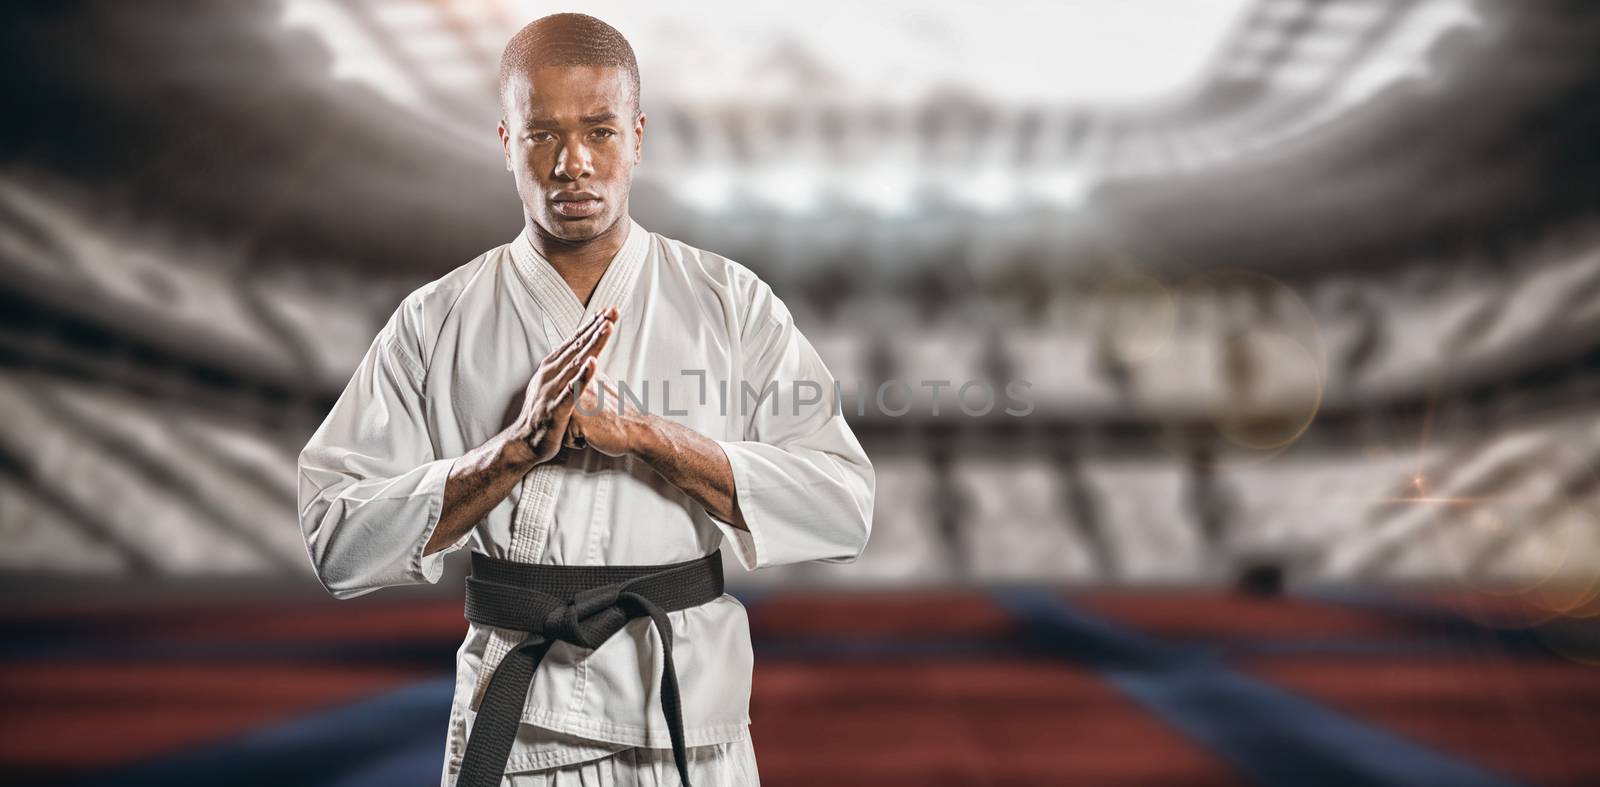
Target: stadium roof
[(1061, 96)]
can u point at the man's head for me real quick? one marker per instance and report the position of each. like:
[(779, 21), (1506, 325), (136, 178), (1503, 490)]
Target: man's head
[(570, 123)]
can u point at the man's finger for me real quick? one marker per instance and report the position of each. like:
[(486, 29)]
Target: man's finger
[(583, 335), (589, 351), (598, 342), (571, 369), (563, 354), (570, 350), (591, 347), (582, 331), (568, 393)]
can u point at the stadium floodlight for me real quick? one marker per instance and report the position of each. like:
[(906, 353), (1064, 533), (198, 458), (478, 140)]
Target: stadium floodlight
[(1152, 88)]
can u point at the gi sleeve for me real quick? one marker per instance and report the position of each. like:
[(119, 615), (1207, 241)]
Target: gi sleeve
[(803, 483), (370, 487)]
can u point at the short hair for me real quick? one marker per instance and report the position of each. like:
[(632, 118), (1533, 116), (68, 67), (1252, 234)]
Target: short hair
[(569, 40)]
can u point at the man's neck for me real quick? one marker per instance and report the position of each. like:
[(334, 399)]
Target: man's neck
[(581, 264)]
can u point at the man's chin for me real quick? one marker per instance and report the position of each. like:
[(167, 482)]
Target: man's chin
[(574, 230)]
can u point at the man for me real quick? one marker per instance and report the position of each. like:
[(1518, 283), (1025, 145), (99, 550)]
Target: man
[(487, 411)]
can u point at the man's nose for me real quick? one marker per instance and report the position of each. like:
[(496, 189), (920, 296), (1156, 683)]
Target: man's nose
[(573, 162)]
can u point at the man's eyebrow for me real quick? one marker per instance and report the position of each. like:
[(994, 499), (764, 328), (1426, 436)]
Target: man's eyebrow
[(551, 123)]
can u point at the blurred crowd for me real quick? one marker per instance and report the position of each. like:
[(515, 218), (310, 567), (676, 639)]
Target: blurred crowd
[(1328, 313)]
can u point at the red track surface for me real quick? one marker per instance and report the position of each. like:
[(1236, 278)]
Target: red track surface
[(962, 723), (1536, 719), (882, 689), (73, 716)]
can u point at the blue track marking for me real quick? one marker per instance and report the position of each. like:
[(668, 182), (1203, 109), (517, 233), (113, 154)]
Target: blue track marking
[(395, 739), (1271, 736)]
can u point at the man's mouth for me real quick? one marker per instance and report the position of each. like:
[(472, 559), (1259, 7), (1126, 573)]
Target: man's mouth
[(578, 205)]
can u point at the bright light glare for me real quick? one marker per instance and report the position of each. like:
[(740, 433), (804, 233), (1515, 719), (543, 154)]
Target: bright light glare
[(1058, 51)]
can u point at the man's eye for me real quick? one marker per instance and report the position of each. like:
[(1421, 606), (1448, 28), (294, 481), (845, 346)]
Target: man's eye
[(604, 132), (541, 136)]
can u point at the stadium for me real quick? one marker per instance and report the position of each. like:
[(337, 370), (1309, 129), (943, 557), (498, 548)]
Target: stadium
[(1305, 295)]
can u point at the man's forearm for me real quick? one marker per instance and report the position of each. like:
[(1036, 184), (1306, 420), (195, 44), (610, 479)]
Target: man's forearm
[(689, 461), (478, 481)]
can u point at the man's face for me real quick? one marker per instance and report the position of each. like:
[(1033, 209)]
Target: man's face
[(571, 139)]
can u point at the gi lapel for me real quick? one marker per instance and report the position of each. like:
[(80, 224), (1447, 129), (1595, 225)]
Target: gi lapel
[(530, 530)]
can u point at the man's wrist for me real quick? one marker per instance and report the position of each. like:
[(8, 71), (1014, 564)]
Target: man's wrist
[(513, 454), (644, 436)]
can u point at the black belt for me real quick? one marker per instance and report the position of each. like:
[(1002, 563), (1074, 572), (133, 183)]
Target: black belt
[(581, 605)]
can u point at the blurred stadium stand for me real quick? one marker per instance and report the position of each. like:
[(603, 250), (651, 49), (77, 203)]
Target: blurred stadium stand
[(1170, 372), (1325, 319)]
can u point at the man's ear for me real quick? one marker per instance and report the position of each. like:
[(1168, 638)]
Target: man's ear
[(638, 138), (505, 143)]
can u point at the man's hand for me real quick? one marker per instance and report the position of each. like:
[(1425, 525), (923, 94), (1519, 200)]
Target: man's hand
[(547, 404), (482, 477), (688, 460), (603, 420)]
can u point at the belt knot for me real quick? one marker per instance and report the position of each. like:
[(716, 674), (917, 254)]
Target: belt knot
[(566, 622), (539, 600)]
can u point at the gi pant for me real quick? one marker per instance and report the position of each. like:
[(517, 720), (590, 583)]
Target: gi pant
[(719, 765)]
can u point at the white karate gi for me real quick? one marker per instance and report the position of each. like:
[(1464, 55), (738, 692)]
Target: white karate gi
[(439, 380)]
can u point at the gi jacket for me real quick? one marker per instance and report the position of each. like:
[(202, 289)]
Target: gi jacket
[(702, 341)]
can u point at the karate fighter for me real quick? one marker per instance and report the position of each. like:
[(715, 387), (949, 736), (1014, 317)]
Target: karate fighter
[(601, 649)]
